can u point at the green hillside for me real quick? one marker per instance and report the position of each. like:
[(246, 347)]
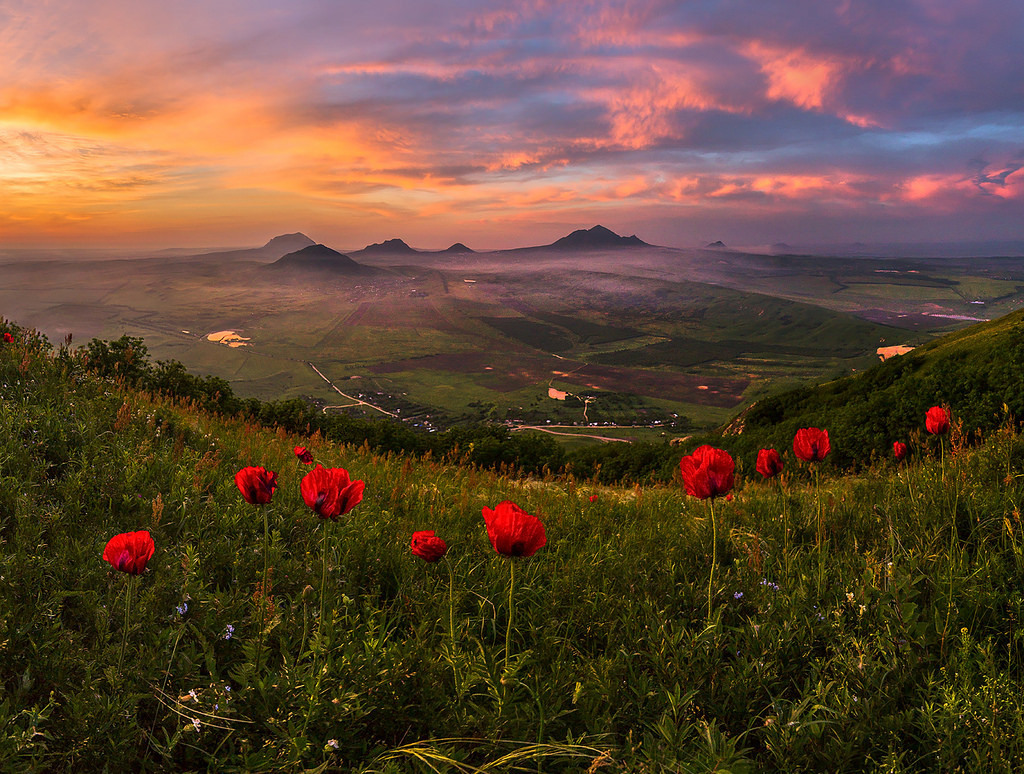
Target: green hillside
[(978, 372), (859, 623)]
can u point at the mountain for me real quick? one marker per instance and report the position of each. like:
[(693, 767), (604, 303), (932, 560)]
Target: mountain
[(387, 247), (976, 371), (317, 257), (718, 244), (274, 249), (457, 249), (281, 245), (596, 238)]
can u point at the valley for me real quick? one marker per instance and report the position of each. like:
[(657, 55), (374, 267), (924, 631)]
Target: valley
[(596, 332)]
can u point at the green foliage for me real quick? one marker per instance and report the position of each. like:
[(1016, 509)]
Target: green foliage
[(978, 373), (871, 623)]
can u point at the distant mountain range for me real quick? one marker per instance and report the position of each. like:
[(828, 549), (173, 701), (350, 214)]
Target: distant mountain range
[(292, 246)]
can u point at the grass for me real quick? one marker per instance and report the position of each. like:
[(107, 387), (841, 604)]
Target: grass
[(891, 644)]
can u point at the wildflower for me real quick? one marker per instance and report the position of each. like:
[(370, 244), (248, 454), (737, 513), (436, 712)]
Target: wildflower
[(513, 531), (427, 546), (129, 551), (811, 444), (593, 498), (305, 455), (330, 492), (182, 608), (708, 472), (332, 744), (899, 450), (737, 595), (936, 420), (229, 632), (8, 338), (257, 485), (769, 463), (196, 724)]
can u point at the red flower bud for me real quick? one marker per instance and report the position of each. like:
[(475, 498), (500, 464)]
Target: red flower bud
[(899, 450), (936, 421), (427, 546), (769, 463), (513, 531), (129, 551), (330, 492), (708, 472), (305, 455), (257, 485), (811, 444)]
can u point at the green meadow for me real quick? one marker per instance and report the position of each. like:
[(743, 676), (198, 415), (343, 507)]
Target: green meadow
[(857, 622)]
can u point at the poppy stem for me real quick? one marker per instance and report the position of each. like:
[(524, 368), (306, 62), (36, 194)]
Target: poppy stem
[(714, 554), (323, 580), (508, 628), (127, 619), (820, 535), (263, 588), (451, 601)]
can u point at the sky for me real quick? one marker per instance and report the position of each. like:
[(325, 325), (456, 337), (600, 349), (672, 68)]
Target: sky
[(504, 123)]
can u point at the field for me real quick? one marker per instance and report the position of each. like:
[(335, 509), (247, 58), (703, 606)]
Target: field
[(815, 622), (468, 338)]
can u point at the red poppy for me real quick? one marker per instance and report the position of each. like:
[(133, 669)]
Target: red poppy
[(899, 450), (811, 444), (8, 338), (427, 546), (769, 463), (257, 485), (593, 498), (512, 531), (936, 421), (129, 551), (708, 472), (305, 455), (330, 492)]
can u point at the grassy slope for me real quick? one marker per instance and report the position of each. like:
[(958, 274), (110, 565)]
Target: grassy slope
[(891, 642), (978, 372)]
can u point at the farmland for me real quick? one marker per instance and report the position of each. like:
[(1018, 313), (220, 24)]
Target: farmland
[(692, 336)]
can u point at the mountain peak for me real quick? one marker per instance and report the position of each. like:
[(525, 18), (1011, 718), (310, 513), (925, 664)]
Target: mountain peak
[(388, 246), (317, 256), (458, 247), (289, 243), (597, 237)]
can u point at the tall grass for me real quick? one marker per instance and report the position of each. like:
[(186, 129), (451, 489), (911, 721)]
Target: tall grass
[(906, 656)]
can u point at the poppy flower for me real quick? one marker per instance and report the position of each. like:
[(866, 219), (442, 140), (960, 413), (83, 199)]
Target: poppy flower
[(593, 498), (129, 551), (330, 492), (8, 338), (427, 546), (513, 531), (936, 421), (899, 450), (811, 444), (769, 463), (708, 472), (257, 485), (305, 455)]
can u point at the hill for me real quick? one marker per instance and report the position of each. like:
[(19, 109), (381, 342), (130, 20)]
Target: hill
[(596, 238), (795, 627), (387, 247), (978, 371), (318, 258)]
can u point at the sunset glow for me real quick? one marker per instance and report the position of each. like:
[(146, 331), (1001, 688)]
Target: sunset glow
[(195, 123)]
